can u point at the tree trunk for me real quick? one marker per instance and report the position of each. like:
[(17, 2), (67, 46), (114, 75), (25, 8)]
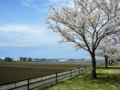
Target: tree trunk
[(93, 67), (106, 60)]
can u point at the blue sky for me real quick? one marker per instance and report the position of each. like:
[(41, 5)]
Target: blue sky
[(23, 32)]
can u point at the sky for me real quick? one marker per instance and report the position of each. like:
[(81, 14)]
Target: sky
[(23, 32)]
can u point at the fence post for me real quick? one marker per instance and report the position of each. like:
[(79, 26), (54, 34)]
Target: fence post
[(28, 84), (82, 69), (56, 77), (70, 73), (79, 70), (15, 84)]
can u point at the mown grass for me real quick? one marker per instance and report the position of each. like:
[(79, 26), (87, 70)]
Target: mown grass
[(107, 79)]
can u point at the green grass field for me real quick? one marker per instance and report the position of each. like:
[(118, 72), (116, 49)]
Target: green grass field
[(10, 71), (107, 79)]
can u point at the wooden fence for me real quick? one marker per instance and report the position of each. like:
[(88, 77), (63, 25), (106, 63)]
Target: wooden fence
[(35, 82)]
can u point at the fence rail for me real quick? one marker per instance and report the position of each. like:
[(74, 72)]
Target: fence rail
[(35, 82)]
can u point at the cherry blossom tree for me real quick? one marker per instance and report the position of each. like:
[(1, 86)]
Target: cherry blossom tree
[(108, 49), (85, 24), (116, 56)]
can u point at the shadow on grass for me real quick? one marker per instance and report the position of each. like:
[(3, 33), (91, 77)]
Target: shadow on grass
[(113, 79), (103, 79), (108, 68)]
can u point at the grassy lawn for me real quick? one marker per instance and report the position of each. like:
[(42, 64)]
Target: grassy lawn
[(107, 79)]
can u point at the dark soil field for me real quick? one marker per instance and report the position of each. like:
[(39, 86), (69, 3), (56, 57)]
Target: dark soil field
[(10, 71)]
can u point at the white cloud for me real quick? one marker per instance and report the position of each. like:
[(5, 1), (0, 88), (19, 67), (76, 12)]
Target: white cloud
[(26, 4), (21, 28), (61, 2), (26, 35), (43, 7), (30, 0), (58, 1)]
